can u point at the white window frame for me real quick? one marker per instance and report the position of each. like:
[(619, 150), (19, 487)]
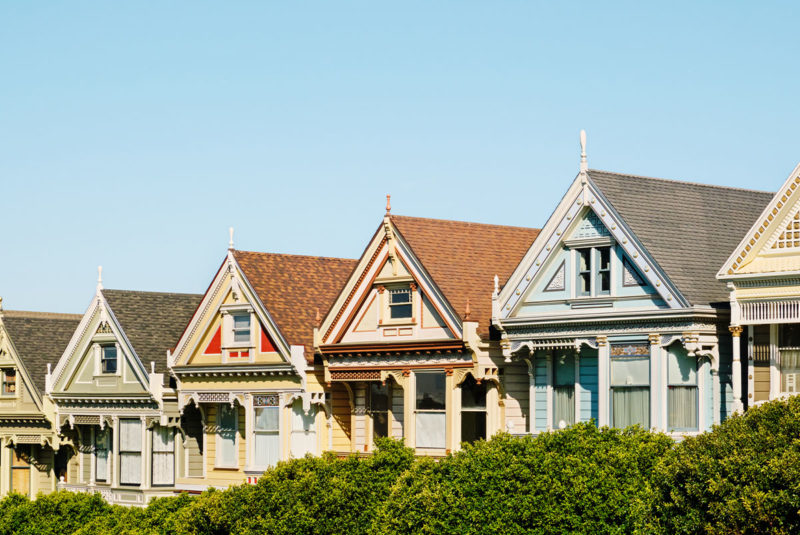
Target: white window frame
[(371, 412), (154, 452), (103, 359), (418, 412), (410, 303), (594, 270), (482, 410), (108, 434), (218, 438), (3, 379), (228, 332), (140, 452), (697, 364), (257, 432)]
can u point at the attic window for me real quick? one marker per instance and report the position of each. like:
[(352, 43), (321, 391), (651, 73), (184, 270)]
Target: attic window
[(9, 382), (241, 328), (400, 303), (108, 359)]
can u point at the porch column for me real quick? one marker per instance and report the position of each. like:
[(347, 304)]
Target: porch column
[(736, 332), (603, 363), (249, 424), (656, 392), (577, 357), (716, 397), (531, 395), (408, 409), (114, 464)]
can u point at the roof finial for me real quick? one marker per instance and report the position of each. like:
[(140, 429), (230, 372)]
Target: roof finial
[(388, 204), (1, 303), (230, 242), (100, 277), (584, 165), (317, 318), (467, 312), (496, 284)]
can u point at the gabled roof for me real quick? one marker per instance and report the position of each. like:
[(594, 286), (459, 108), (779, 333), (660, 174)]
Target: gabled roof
[(463, 258), (39, 338), (152, 321), (292, 287), (689, 229)]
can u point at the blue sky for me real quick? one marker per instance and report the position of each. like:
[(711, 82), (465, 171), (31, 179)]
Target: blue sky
[(134, 134)]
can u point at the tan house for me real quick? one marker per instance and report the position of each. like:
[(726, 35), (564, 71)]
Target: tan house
[(249, 391), (29, 342), (407, 346)]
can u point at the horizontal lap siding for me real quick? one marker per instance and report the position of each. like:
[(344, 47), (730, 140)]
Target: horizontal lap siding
[(517, 388), (340, 403), (397, 411), (761, 362), (588, 386)]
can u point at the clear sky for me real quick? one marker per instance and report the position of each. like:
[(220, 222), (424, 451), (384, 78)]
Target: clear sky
[(133, 134)]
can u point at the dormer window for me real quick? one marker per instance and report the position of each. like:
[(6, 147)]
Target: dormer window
[(108, 359), (9, 382), (594, 271), (241, 328), (400, 303)]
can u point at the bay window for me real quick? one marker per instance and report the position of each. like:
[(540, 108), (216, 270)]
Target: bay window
[(163, 456), (563, 391), (430, 410), (227, 456), (378, 409), (789, 355), (682, 412), (630, 389), (130, 451), (266, 434), (473, 410)]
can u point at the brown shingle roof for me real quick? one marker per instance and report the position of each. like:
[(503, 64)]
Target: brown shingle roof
[(152, 321), (463, 258), (292, 287), (690, 229), (39, 338)]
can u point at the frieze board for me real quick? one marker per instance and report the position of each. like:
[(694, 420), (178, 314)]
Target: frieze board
[(556, 331), (408, 360)]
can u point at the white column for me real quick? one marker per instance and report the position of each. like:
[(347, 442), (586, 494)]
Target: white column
[(409, 425), (657, 398), (716, 395), (113, 464), (603, 383), (774, 367), (531, 394), (550, 390), (93, 462), (249, 424), (577, 386), (736, 332), (751, 372)]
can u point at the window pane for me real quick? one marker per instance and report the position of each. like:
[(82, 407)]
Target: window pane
[(430, 391), (304, 435), (241, 321), (563, 406), (681, 368), (682, 407), (130, 468), (378, 397), (473, 395), (109, 359), (267, 418), (473, 426), (400, 311), (226, 454), (380, 424), (630, 371), (605, 281), (430, 429), (267, 449), (585, 259), (163, 439), (630, 406), (564, 370), (789, 335), (130, 435), (163, 468), (604, 258), (790, 370), (400, 296), (101, 443)]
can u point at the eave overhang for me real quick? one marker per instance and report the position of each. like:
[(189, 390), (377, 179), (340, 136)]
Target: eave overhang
[(418, 348)]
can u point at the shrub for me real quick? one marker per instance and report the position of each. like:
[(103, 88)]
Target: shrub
[(582, 479), (58, 513), (743, 477)]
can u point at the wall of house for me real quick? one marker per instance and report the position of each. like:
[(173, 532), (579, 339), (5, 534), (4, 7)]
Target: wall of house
[(516, 384)]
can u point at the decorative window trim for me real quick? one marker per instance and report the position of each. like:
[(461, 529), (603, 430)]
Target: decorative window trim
[(4, 383), (97, 349), (630, 275), (228, 312), (386, 305), (557, 282)]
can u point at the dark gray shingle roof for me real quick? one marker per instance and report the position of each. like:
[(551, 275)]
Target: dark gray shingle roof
[(690, 229), (152, 321), (39, 338)]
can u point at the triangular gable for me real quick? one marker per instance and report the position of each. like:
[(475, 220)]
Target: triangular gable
[(78, 369), (387, 260), (207, 339), (773, 242), (9, 357), (585, 202)]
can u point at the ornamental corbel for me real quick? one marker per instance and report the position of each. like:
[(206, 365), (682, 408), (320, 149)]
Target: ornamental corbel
[(591, 342), (399, 377)]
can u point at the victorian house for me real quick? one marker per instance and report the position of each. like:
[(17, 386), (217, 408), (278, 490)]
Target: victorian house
[(115, 403), (250, 392), (30, 458), (407, 346), (615, 315), (763, 277)]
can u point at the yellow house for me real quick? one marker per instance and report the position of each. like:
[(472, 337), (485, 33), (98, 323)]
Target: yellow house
[(407, 346), (249, 392), (29, 343)]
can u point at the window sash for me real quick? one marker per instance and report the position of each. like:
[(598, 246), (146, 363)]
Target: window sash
[(473, 426), (630, 371), (9, 382), (630, 405), (266, 448), (227, 454), (130, 468), (563, 405), (108, 359), (682, 408), (101, 440), (304, 430), (430, 391), (267, 419), (790, 370), (430, 429), (163, 468), (400, 303), (241, 328)]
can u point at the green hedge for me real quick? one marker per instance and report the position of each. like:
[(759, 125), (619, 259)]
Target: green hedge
[(743, 477)]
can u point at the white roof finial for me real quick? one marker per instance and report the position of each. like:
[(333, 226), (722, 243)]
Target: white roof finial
[(230, 243), (99, 277), (584, 165), (496, 285)]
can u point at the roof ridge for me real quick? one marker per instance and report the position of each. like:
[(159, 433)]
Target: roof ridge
[(687, 182), (289, 255), (495, 225), (33, 314), (150, 292)]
